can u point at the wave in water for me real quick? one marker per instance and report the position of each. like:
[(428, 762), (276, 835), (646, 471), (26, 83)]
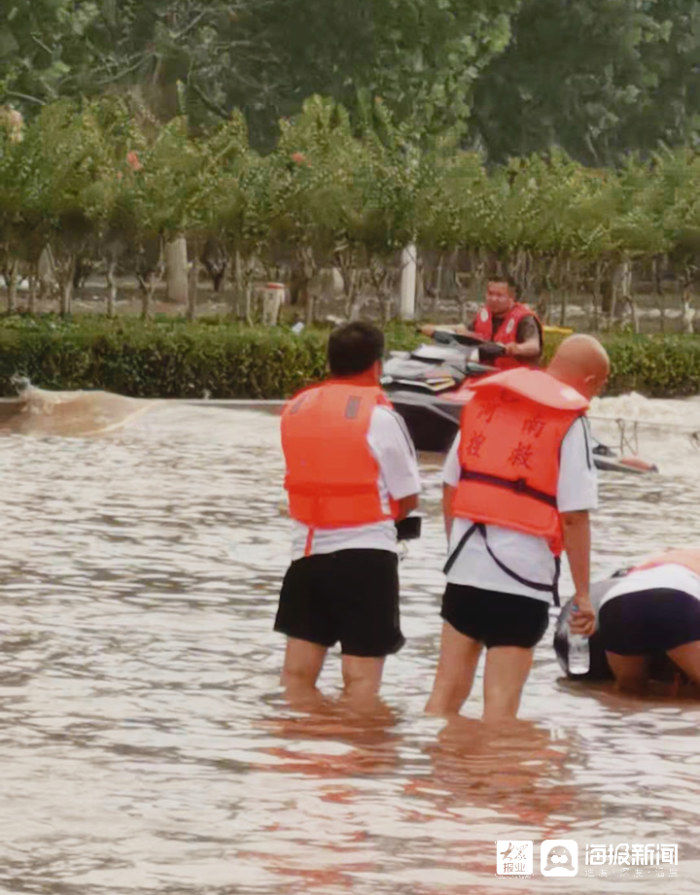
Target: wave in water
[(68, 414)]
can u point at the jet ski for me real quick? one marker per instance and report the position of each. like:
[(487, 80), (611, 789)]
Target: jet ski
[(429, 386), (660, 666), (424, 386)]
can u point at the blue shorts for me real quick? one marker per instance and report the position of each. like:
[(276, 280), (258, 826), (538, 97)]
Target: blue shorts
[(649, 621)]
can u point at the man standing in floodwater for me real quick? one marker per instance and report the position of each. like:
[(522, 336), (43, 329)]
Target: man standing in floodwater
[(351, 473), (505, 320), (518, 485)]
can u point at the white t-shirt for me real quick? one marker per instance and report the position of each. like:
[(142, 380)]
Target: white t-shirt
[(527, 555), (393, 450), (669, 574)]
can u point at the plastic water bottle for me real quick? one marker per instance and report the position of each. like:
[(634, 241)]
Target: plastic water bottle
[(579, 652)]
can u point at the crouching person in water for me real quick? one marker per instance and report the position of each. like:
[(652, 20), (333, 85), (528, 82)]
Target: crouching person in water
[(654, 608), (517, 487), (351, 473)]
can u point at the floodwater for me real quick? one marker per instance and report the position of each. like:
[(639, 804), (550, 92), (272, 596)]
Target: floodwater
[(144, 742)]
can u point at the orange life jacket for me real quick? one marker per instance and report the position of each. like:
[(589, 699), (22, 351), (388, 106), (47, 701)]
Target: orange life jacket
[(332, 476), (690, 558), (506, 333), (511, 435)]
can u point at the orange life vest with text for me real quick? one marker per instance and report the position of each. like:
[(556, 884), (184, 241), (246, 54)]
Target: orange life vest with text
[(332, 475), (506, 333), (510, 439)]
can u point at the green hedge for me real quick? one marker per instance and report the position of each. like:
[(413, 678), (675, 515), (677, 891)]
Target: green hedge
[(171, 358)]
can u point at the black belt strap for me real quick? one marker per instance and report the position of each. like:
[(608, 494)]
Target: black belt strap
[(535, 585), (452, 558), (520, 486)]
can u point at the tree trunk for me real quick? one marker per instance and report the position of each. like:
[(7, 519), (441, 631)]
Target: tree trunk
[(566, 280), (625, 290), (344, 261), (688, 309), (437, 294), (309, 268), (11, 282), (33, 284), (248, 299), (407, 303), (176, 269), (149, 287), (66, 272), (112, 290), (238, 294), (597, 279), (658, 286), (192, 279), (310, 307)]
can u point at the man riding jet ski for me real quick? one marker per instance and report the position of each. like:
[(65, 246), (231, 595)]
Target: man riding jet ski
[(507, 322)]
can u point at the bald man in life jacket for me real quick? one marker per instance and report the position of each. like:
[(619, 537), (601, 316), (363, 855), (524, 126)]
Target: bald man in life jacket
[(351, 473), (508, 322), (654, 608), (518, 485)]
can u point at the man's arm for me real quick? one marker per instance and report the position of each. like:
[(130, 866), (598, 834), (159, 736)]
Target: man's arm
[(529, 344), (406, 506), (393, 449), (576, 532), (448, 492)]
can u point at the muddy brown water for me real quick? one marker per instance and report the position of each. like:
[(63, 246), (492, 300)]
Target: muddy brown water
[(144, 742)]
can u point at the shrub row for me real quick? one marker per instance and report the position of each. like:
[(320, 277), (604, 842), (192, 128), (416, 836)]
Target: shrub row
[(174, 359)]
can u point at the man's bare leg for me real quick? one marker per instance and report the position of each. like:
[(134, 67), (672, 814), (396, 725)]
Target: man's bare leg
[(459, 656), (505, 673), (303, 662), (362, 676), (687, 658), (630, 672)]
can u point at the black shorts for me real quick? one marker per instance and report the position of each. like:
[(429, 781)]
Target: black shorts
[(649, 621), (351, 596), (495, 618)]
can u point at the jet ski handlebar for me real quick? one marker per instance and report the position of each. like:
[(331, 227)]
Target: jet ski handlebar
[(448, 337)]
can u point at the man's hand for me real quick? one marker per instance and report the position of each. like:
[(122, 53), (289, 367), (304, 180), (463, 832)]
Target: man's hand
[(512, 349), (406, 505), (582, 615)]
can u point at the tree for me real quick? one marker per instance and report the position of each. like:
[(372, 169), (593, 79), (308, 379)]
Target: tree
[(202, 58), (64, 165), (594, 77)]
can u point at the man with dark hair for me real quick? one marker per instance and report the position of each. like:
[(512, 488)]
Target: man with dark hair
[(354, 347), (351, 472), (505, 320)]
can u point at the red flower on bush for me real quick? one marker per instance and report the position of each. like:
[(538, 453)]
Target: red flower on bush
[(133, 161), (299, 158)]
